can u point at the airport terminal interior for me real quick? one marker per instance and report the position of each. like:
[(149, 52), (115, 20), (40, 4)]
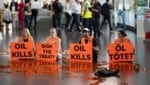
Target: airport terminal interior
[(63, 72)]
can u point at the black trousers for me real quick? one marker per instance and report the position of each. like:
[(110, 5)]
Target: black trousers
[(68, 19), (96, 26), (75, 21), (34, 16), (108, 18), (87, 23), (57, 20)]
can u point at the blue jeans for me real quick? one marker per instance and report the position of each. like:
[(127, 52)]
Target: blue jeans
[(26, 21), (57, 20)]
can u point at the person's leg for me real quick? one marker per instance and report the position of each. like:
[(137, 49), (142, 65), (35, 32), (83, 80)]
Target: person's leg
[(32, 16), (109, 22), (67, 19), (89, 25), (25, 22), (95, 56), (78, 22), (35, 18), (73, 22), (59, 20), (96, 26), (103, 22), (54, 21)]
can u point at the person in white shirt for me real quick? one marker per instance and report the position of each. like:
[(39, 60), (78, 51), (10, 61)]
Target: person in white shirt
[(76, 12), (35, 6), (68, 12), (7, 16)]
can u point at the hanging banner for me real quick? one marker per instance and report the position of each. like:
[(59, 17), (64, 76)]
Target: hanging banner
[(21, 50), (80, 52), (46, 52), (121, 52)]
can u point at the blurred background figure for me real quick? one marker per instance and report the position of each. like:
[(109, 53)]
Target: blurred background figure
[(87, 15), (96, 10), (57, 9), (7, 16), (13, 6), (35, 6), (21, 14), (106, 14), (76, 12), (68, 12), (27, 14)]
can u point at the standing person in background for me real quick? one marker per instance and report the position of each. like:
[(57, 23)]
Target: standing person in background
[(68, 12), (14, 6), (96, 9), (1, 12), (76, 11), (87, 15), (35, 6), (106, 13), (7, 16), (14, 9), (57, 9), (27, 14), (21, 14)]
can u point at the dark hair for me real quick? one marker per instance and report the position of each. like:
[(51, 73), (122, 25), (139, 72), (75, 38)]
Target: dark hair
[(122, 32), (6, 5), (107, 0), (35, 0)]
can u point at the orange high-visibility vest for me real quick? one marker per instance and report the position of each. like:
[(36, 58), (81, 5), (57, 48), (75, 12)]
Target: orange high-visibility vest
[(54, 41), (89, 43), (126, 40), (30, 40)]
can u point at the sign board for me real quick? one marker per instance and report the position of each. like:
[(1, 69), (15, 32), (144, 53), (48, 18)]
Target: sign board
[(120, 52), (46, 52), (21, 50), (80, 52)]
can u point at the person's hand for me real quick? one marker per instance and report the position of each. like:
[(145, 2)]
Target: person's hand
[(95, 48)]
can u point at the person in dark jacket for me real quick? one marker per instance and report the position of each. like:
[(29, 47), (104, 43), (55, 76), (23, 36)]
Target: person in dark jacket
[(96, 9), (106, 13), (14, 6), (57, 11)]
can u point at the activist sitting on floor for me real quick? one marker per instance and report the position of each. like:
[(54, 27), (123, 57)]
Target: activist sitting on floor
[(54, 39), (122, 37), (26, 37), (89, 40)]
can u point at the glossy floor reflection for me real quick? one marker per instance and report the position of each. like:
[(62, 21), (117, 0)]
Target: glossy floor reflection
[(64, 72)]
